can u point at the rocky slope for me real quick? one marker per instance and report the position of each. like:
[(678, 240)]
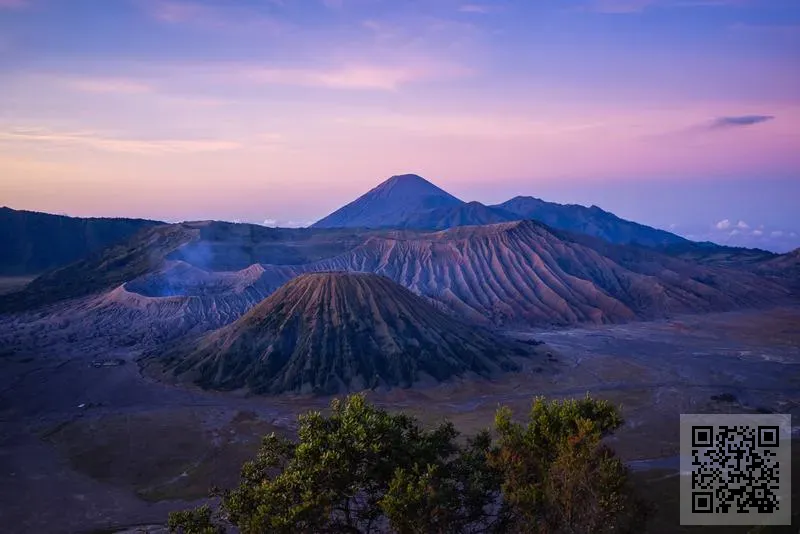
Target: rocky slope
[(507, 274), (707, 253), (525, 273), (211, 246), (467, 214), (783, 268), (331, 332), (142, 254), (175, 300), (36, 242)]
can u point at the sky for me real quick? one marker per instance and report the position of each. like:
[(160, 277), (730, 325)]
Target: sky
[(681, 114)]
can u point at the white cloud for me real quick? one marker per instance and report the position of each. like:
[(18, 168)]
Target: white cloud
[(278, 223), (755, 235), (743, 225)]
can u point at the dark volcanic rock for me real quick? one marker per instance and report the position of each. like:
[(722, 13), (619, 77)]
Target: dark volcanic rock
[(331, 332), (102, 270), (468, 214), (784, 269), (208, 245), (35, 242)]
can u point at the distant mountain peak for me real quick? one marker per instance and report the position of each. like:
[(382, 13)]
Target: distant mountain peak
[(525, 197), (409, 177), (390, 203), (411, 201), (410, 182)]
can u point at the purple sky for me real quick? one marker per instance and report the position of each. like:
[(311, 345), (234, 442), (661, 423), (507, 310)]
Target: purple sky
[(683, 114)]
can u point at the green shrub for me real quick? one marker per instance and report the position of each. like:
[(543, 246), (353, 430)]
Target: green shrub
[(362, 469)]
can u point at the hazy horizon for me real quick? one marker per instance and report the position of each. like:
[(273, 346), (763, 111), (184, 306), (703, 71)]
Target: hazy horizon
[(677, 114)]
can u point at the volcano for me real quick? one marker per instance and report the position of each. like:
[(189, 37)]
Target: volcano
[(390, 204), (329, 332)]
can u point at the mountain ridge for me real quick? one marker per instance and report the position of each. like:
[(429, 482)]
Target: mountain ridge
[(592, 220), (509, 275), (388, 206), (33, 242)]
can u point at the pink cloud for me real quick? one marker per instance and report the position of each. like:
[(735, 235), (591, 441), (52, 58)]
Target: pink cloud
[(619, 6), (106, 143), (109, 85), (232, 17), (179, 11), (637, 6), (475, 8), (785, 30), (472, 125), (354, 76)]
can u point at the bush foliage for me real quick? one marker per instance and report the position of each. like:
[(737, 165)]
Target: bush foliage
[(362, 469)]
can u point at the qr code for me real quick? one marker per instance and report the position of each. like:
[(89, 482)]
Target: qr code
[(735, 469)]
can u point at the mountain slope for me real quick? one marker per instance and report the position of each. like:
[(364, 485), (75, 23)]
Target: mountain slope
[(591, 221), (142, 254), (708, 253), (784, 268), (33, 242), (330, 332), (507, 274), (523, 273), (390, 204), (409, 201), (208, 245), (467, 214)]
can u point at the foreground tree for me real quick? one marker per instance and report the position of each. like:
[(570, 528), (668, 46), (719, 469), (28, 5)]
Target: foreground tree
[(362, 469), (557, 474)]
